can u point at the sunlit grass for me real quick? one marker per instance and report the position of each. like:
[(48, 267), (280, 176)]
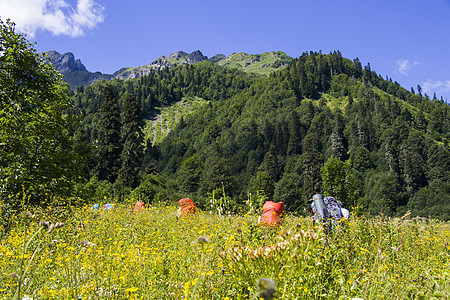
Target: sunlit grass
[(168, 117), (153, 254)]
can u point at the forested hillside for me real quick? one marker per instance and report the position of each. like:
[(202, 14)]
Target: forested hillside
[(323, 124)]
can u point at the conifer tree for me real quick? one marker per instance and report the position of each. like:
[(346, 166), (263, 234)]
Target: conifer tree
[(295, 139), (133, 138), (271, 164), (412, 170), (337, 137), (109, 142), (268, 134), (311, 159), (84, 148), (281, 137), (263, 183), (189, 174), (216, 172)]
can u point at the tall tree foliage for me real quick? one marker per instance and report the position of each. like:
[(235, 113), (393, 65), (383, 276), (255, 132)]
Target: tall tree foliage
[(216, 173), (337, 137), (36, 153), (189, 175), (338, 181), (311, 158), (132, 138), (109, 141)]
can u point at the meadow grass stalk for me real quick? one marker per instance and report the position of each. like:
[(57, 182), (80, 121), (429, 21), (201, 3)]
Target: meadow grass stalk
[(24, 251)]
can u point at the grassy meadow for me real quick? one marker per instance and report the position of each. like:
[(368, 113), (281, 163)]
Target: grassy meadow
[(154, 254)]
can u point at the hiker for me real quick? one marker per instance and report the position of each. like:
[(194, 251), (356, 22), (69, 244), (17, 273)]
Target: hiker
[(272, 213), (186, 207), (139, 206), (328, 208)]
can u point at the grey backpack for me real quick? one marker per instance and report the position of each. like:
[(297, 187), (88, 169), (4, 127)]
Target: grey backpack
[(334, 208)]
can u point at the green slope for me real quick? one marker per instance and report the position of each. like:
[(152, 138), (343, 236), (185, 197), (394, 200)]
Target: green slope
[(275, 133)]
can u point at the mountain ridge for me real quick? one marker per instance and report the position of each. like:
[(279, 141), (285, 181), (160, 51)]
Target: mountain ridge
[(76, 74), (73, 70)]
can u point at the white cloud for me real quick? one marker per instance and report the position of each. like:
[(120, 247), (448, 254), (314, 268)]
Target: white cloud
[(404, 65), (440, 87), (56, 16)]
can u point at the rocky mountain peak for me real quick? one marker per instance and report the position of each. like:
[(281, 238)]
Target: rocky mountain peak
[(65, 62), (195, 57), (177, 55)]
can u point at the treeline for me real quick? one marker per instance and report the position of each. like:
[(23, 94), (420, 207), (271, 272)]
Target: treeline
[(324, 124), (161, 88)]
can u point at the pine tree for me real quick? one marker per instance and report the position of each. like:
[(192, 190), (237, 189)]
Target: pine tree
[(295, 139), (83, 147), (262, 183), (268, 135), (189, 174), (133, 138), (337, 137), (412, 170), (271, 164), (311, 159), (281, 136), (109, 142), (216, 172)]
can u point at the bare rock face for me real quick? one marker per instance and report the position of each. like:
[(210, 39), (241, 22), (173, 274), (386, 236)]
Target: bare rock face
[(74, 72), (195, 57), (177, 55), (170, 61), (65, 62)]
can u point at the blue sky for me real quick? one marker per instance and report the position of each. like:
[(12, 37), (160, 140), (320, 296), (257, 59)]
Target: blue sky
[(408, 41)]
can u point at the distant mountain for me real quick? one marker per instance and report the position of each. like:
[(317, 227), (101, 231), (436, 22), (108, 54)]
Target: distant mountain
[(65, 62), (75, 73), (264, 63)]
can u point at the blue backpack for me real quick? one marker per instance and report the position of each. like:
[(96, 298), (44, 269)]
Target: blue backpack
[(334, 209)]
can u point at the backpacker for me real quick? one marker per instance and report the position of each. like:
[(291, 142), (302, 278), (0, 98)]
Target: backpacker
[(334, 209)]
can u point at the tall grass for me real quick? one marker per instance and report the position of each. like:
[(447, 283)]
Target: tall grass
[(153, 254)]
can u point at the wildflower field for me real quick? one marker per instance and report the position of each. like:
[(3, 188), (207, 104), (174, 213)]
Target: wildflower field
[(153, 254)]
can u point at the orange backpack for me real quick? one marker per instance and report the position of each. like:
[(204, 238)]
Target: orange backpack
[(187, 207), (139, 206), (272, 213)]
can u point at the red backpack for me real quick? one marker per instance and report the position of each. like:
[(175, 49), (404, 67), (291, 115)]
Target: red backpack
[(187, 207), (272, 213), (139, 206)]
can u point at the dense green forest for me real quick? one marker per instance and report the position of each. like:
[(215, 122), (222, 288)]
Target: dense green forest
[(323, 124)]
